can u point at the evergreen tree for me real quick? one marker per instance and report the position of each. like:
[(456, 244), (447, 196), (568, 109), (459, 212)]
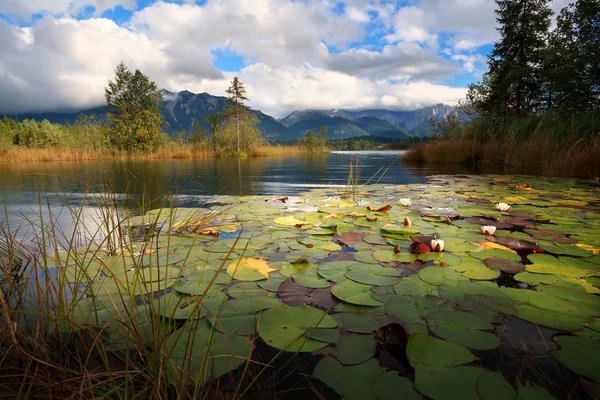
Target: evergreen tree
[(572, 70), (133, 113), (237, 109), (513, 84)]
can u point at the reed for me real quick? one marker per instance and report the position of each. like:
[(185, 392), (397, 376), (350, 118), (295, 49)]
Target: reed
[(549, 144), (57, 341)]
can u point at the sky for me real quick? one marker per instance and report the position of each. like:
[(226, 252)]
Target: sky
[(58, 55)]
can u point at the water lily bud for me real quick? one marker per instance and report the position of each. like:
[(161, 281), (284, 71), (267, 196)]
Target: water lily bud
[(437, 245), (502, 207), (407, 221), (488, 230), (405, 202)]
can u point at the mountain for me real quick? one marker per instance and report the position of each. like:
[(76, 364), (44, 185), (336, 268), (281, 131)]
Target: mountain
[(182, 109), (377, 122)]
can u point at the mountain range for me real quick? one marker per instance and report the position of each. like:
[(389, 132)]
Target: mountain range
[(183, 109)]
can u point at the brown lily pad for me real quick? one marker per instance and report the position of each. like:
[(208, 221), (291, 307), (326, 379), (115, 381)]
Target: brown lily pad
[(524, 247), (485, 221), (294, 294), (351, 239), (380, 209), (510, 267)]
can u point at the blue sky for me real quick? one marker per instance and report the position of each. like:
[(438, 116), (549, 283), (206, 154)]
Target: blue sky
[(292, 54)]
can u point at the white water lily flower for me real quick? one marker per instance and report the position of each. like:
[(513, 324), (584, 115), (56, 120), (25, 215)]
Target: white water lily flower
[(437, 245), (405, 202), (488, 230), (407, 221), (502, 207)]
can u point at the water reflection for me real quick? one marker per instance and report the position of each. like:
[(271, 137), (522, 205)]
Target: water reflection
[(143, 184)]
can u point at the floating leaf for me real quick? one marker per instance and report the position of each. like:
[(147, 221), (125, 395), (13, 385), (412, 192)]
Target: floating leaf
[(464, 329), (355, 293), (461, 382), (249, 269), (366, 381), (284, 327), (427, 352), (373, 275), (294, 294), (580, 355), (414, 311), (440, 275)]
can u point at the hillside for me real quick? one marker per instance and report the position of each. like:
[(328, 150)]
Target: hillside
[(183, 109)]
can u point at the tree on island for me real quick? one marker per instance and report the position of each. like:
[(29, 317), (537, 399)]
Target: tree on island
[(234, 129), (134, 110)]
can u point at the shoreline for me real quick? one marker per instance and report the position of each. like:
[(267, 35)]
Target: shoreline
[(545, 157)]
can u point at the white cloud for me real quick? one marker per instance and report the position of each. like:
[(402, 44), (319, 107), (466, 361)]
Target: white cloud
[(402, 61), (278, 91), (26, 8), (296, 54)]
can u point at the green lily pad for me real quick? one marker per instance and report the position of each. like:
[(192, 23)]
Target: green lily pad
[(192, 354), (440, 276), (239, 316), (413, 285), (373, 275), (461, 382), (284, 327), (464, 329), (355, 293), (580, 355), (366, 381), (414, 311), (426, 352)]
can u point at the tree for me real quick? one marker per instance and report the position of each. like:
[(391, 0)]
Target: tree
[(133, 113), (514, 79), (237, 109), (572, 70)]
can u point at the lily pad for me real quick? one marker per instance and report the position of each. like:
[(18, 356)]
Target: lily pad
[(366, 381), (373, 275), (426, 352), (464, 329), (294, 294), (580, 355), (355, 293), (284, 327), (249, 269)]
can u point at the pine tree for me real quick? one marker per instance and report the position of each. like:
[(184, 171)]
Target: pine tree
[(514, 79), (237, 109), (133, 113), (572, 69)]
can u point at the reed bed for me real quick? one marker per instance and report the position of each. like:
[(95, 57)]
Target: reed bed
[(550, 144), (48, 351)]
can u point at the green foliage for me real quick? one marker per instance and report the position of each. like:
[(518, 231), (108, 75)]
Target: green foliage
[(85, 135), (515, 64), (134, 104), (572, 71), (234, 129), (317, 141)]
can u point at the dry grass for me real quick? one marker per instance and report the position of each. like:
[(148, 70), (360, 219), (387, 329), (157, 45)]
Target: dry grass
[(570, 157), (284, 150), (174, 152)]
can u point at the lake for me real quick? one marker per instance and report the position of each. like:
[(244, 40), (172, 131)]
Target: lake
[(419, 285), (142, 184)]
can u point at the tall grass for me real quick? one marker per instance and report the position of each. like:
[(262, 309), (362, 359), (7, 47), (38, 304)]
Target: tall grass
[(64, 336), (549, 144)]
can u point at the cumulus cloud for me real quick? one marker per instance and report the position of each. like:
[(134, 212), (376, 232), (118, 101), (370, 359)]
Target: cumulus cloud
[(298, 54), (402, 61), (24, 9), (279, 91)]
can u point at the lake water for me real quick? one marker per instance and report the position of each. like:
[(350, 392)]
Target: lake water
[(34, 188)]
